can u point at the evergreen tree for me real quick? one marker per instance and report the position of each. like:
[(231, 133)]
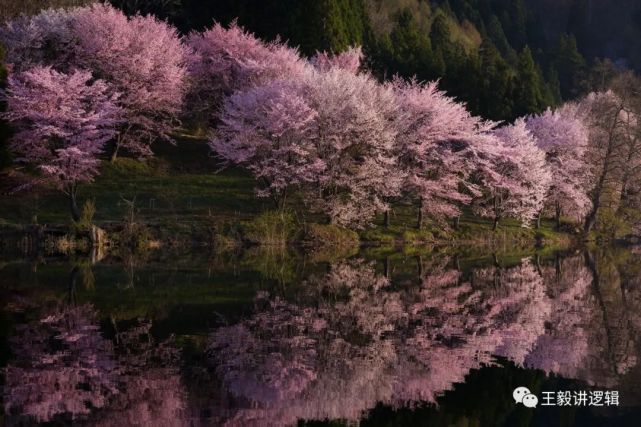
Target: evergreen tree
[(495, 84), (554, 85), (570, 66), (528, 94), (497, 35)]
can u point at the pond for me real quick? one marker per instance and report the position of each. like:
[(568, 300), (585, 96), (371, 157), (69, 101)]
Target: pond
[(281, 338)]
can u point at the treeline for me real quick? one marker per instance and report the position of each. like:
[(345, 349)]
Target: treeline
[(90, 81), (504, 58), (491, 54)]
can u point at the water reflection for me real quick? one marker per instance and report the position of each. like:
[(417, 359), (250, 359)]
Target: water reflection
[(330, 341)]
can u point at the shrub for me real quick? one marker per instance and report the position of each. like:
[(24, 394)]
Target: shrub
[(270, 228)]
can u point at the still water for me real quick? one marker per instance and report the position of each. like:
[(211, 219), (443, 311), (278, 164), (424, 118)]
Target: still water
[(269, 338)]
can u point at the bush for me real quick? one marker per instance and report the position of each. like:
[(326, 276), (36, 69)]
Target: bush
[(86, 215), (270, 228), (319, 235)]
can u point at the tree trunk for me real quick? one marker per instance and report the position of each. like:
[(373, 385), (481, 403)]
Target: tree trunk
[(73, 204), (387, 218), (419, 221), (590, 220), (457, 222), (73, 280), (558, 217), (114, 155), (419, 265), (497, 216), (282, 201), (538, 221), (495, 226), (388, 268)]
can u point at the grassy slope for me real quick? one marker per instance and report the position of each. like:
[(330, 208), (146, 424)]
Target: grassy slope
[(179, 192)]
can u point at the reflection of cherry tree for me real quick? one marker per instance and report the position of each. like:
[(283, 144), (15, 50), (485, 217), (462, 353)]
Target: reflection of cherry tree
[(525, 308), (327, 361), (63, 366), (458, 326), (65, 370), (612, 352), (353, 340), (151, 392), (564, 347)]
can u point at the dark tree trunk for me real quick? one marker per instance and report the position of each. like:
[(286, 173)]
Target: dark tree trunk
[(386, 220), (495, 226), (538, 221), (497, 210), (282, 201), (419, 265), (590, 220), (73, 280), (114, 154), (73, 204), (419, 220), (557, 217), (457, 222)]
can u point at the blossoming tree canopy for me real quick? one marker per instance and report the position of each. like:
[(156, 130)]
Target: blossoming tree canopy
[(349, 60), (62, 123), (355, 132), (228, 59), (333, 130), (563, 136), (143, 59), (521, 177), (436, 140), (42, 39), (268, 130)]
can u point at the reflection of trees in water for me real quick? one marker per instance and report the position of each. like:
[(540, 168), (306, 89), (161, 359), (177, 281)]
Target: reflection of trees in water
[(613, 336), (356, 341), (63, 366), (346, 340), (565, 344), (65, 370)]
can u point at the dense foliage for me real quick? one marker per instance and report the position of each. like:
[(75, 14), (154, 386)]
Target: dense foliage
[(504, 58), (324, 128)]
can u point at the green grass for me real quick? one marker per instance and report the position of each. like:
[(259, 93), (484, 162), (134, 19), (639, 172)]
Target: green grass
[(179, 193)]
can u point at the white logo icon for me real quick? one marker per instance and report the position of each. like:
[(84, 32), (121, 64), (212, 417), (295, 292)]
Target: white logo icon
[(523, 395), (530, 401)]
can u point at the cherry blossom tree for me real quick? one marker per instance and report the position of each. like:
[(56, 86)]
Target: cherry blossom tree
[(43, 39), (331, 130), (563, 135), (145, 61), (437, 148), (268, 130), (349, 60), (518, 182), (225, 60), (614, 149), (62, 123), (355, 134)]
